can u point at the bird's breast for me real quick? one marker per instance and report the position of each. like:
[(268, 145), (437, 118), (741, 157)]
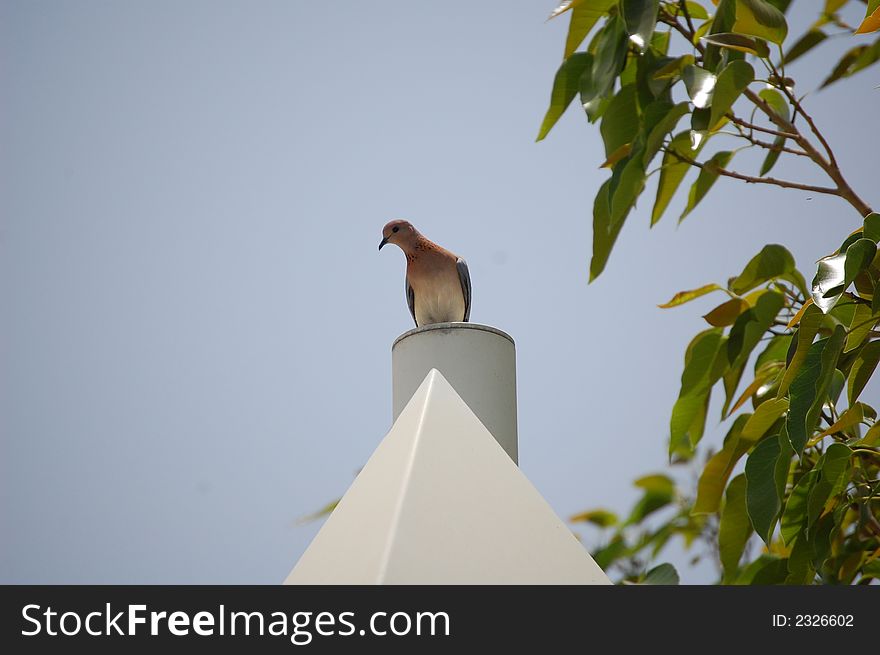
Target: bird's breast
[(438, 297)]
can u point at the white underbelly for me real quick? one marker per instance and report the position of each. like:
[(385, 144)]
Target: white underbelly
[(441, 307)]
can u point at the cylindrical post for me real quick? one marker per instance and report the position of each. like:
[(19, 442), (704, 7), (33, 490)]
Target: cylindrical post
[(477, 360)]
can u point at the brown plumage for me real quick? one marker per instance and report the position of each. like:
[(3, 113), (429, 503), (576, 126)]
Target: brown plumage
[(438, 284)]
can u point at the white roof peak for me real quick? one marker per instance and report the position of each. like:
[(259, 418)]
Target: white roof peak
[(441, 502)]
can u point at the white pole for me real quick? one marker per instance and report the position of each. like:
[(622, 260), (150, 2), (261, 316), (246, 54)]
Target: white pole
[(479, 362)]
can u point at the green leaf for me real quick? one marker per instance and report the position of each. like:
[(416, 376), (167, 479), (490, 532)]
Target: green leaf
[(620, 122), (584, 16), (843, 66), (795, 514), (738, 42), (777, 101), (564, 6), (871, 570), (854, 61), (700, 85), (565, 88), (804, 44), (606, 556), (843, 312), (664, 574), (821, 535), (783, 463), (660, 42), (657, 483), (727, 312), (866, 58), (326, 510), (734, 528), (604, 234), (674, 68), (858, 256), (694, 9), (719, 467), (851, 239), (700, 373), (673, 172), (776, 351), (836, 386), (699, 126), (800, 564), (763, 502), (772, 156), (732, 81), (607, 64), (686, 296), (731, 380), (862, 369), (650, 88), (773, 573), (751, 326), (872, 436), (659, 492), (761, 19), (808, 328), (810, 386), (859, 327), (600, 517), (640, 17), (663, 127), (767, 569), (750, 391), (872, 227), (764, 417), (705, 180), (831, 481), (774, 261), (853, 416), (722, 22), (630, 71), (627, 183)]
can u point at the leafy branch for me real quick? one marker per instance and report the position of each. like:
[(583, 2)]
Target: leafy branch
[(751, 179), (809, 492), (787, 128)]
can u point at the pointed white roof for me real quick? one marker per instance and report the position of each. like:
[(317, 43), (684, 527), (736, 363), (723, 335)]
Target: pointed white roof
[(440, 502)]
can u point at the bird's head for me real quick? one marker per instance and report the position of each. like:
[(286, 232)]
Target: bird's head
[(399, 232)]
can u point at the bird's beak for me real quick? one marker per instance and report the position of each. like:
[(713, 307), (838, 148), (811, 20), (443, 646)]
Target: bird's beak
[(383, 242)]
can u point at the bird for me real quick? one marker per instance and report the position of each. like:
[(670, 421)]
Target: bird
[(438, 283)]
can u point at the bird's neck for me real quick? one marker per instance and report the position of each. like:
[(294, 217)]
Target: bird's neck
[(417, 245)]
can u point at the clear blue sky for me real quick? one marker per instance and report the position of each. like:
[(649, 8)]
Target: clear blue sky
[(196, 324)]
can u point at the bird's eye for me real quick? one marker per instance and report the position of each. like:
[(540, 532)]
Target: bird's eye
[(395, 229)]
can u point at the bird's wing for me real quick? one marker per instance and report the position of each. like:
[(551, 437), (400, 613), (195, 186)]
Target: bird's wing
[(465, 278), (411, 301)]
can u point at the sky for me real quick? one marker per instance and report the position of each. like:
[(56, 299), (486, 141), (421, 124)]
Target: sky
[(196, 323)]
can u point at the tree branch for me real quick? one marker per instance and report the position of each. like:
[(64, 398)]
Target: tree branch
[(800, 109), (843, 190), (749, 179), (759, 128), (787, 129), (687, 15), (767, 145)]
